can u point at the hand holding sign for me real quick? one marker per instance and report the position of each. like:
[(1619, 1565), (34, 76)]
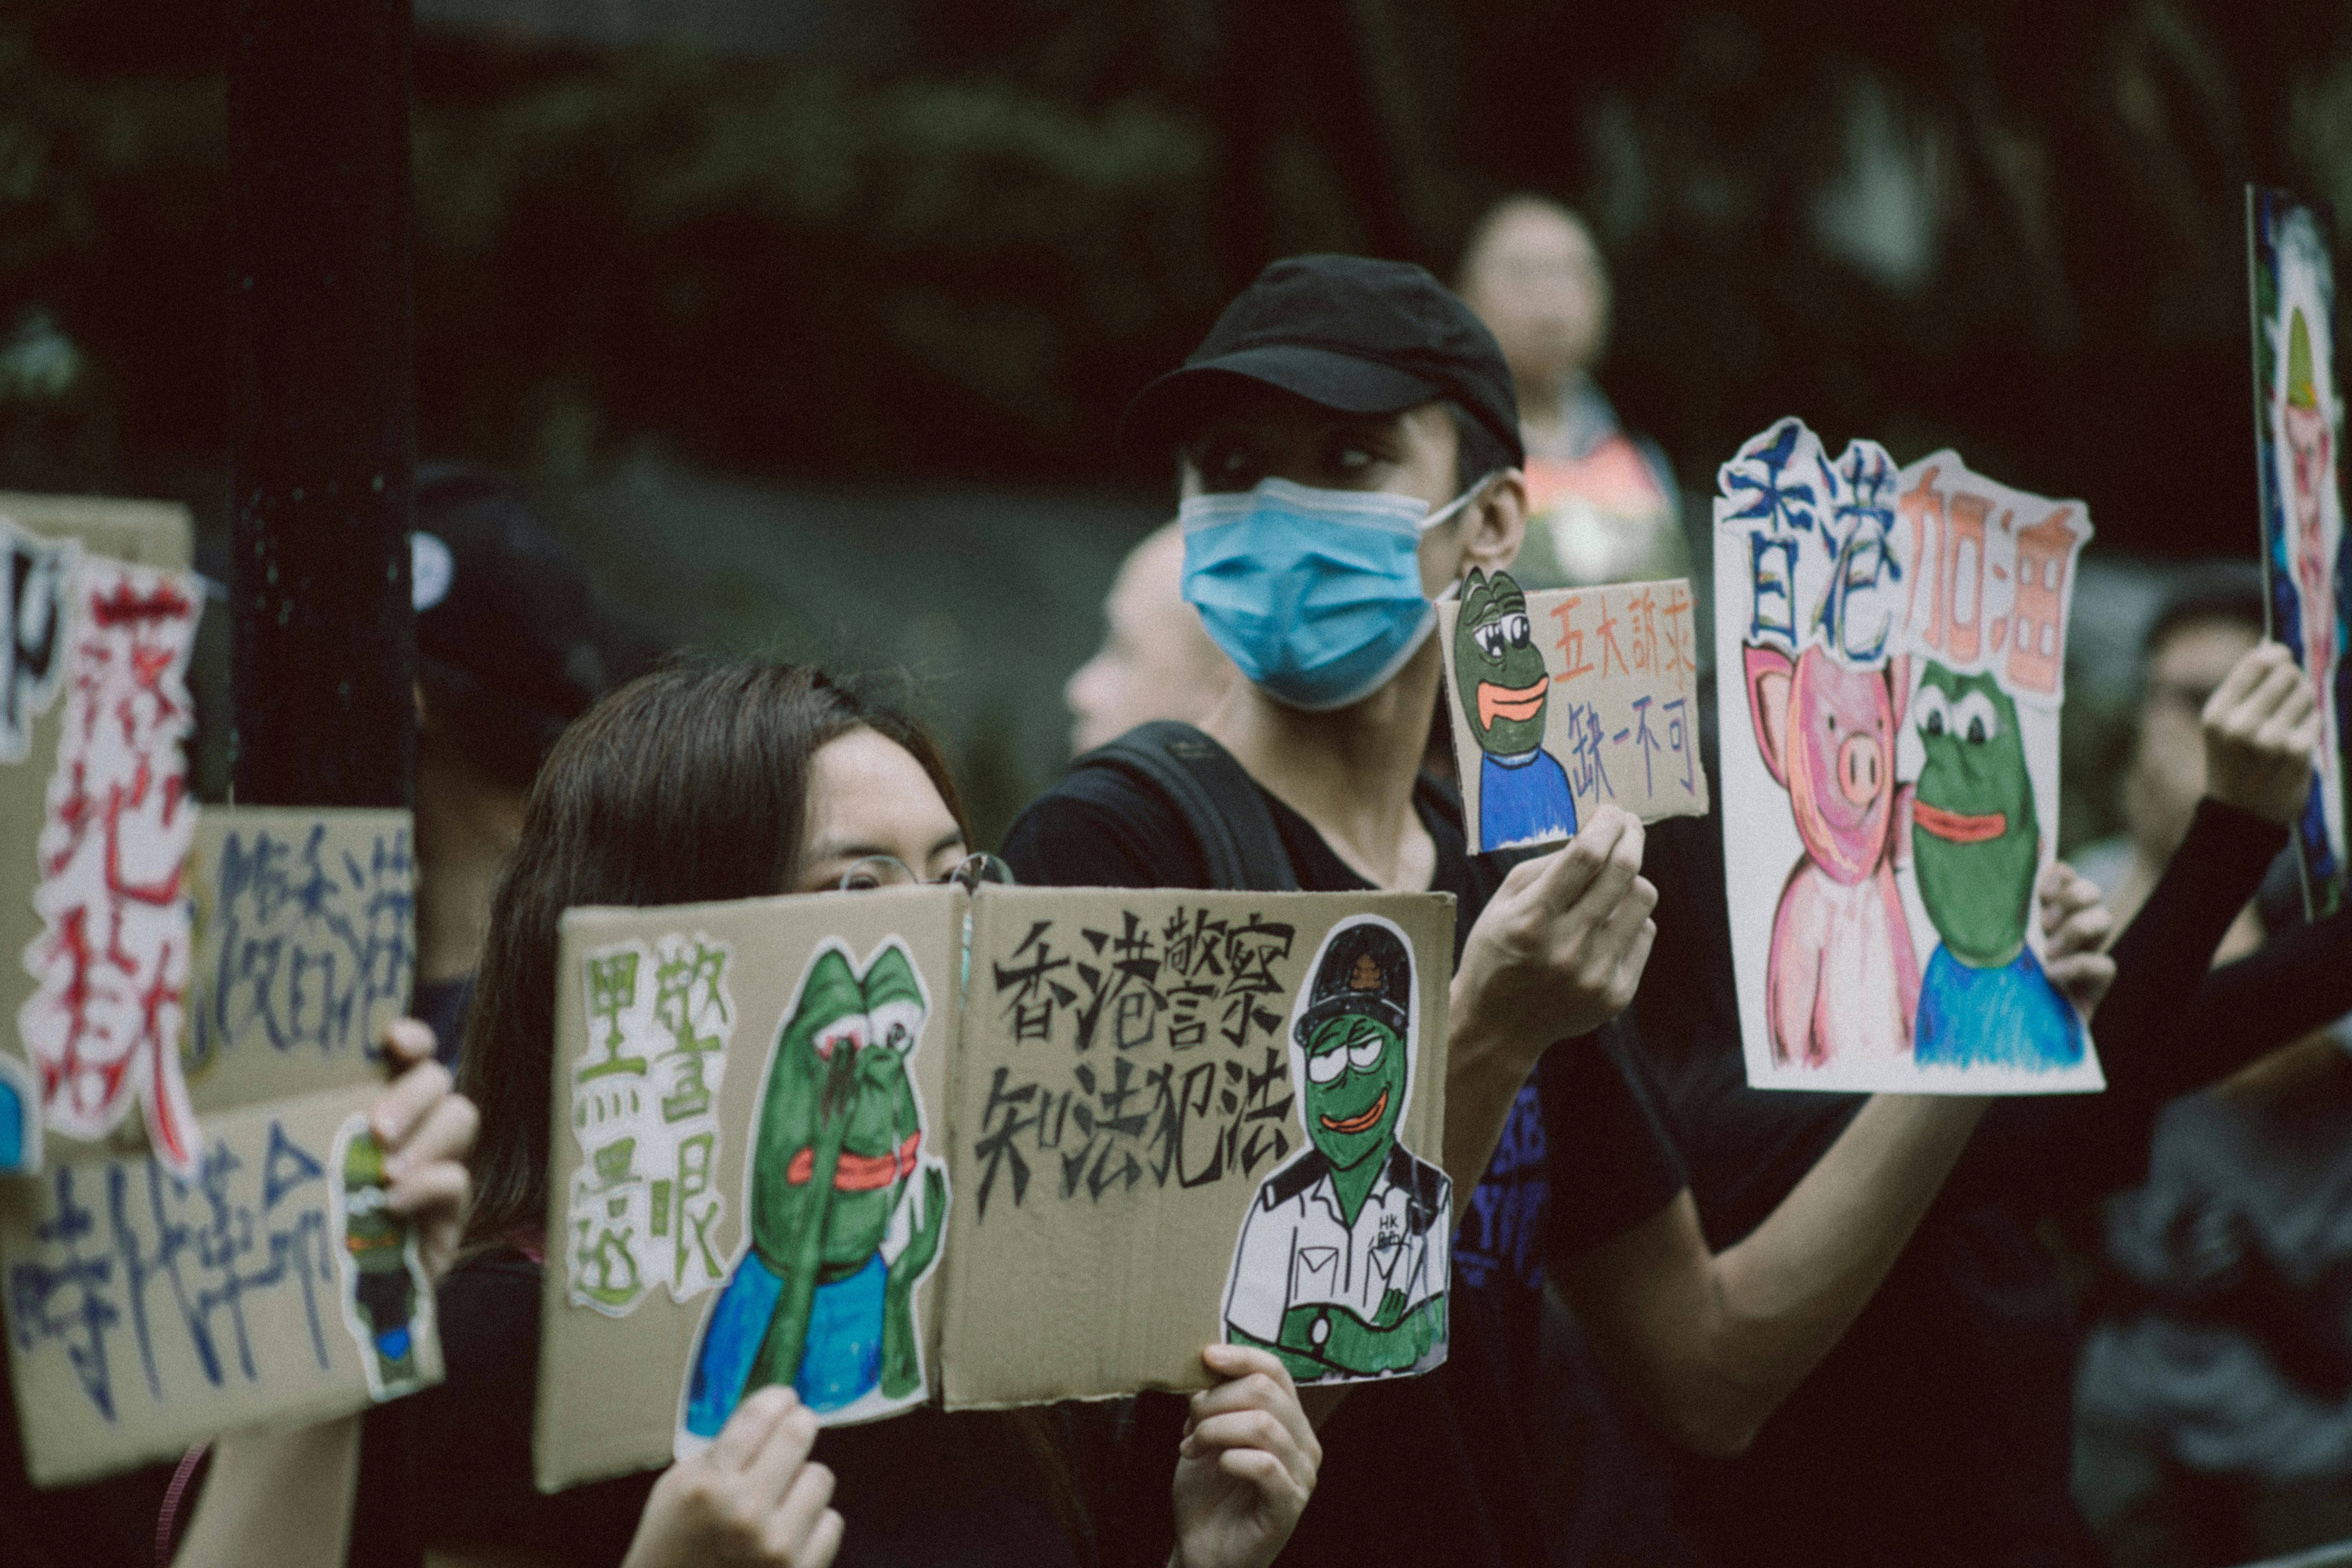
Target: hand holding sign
[(1246, 1466), (427, 1130), (752, 1498), (2262, 728), (2075, 929), (1559, 949)]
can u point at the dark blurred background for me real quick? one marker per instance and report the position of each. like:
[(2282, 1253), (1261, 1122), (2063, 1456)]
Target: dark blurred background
[(809, 320)]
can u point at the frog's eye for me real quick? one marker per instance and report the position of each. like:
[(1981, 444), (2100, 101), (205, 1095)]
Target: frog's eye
[(1514, 626), (1491, 638), (1366, 1051), (1975, 716), (896, 1025), (1932, 710), (1324, 1068)]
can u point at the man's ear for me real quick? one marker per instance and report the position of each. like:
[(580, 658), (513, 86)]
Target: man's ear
[(1770, 673), (1495, 525)]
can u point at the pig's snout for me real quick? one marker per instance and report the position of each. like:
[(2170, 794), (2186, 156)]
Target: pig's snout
[(1862, 769)]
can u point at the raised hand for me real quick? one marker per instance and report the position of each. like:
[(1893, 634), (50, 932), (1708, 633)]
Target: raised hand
[(751, 1500), (427, 1130), (2262, 728), (1246, 1466), (1559, 949), (2075, 926)]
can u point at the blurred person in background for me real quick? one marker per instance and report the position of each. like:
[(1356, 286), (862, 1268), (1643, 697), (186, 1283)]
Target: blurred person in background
[(1156, 661), (1602, 502), (2214, 1395), (506, 658), (2204, 626)]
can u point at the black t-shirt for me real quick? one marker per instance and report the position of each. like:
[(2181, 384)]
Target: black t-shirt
[(1939, 1429), (1435, 1469), (969, 1490)]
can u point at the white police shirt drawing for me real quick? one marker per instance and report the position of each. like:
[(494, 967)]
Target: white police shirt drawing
[(1296, 1250)]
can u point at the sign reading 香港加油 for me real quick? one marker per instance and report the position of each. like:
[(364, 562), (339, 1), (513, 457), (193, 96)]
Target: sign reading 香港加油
[(1894, 639)]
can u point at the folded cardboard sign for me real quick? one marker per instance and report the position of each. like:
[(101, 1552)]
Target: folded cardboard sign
[(994, 1149)]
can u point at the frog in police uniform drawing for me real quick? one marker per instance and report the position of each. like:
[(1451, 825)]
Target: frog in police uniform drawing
[(845, 1210), (1976, 846), (1523, 792), (1342, 1264)]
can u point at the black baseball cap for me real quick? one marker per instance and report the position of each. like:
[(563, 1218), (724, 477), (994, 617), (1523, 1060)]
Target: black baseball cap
[(1346, 332), (506, 631)]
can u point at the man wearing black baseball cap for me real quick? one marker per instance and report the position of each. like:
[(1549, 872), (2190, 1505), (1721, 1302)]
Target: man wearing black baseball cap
[(1347, 447)]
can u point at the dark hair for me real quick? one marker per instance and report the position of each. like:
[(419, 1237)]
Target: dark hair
[(685, 785), (2220, 593), (1477, 451)]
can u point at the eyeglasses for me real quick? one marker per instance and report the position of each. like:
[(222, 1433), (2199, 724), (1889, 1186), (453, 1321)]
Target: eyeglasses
[(889, 871)]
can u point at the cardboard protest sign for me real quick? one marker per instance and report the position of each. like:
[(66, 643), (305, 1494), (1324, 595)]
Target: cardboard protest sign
[(221, 972), (146, 1314), (1030, 1145), (1565, 699), (2298, 425), (305, 948), (1890, 654)]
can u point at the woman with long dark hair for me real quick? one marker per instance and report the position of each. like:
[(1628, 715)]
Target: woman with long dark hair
[(704, 782)]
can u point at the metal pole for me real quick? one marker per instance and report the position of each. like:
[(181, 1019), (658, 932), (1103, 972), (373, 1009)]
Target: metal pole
[(323, 438), (322, 468)]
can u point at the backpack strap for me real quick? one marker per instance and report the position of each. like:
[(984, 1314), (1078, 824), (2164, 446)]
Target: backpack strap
[(1220, 802)]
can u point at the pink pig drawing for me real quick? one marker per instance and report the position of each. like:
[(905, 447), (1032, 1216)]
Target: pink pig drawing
[(1842, 981)]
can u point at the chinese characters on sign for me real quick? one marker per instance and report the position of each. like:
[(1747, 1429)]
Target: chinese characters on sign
[(1566, 700), (306, 944), (1895, 639), (146, 1312), (645, 1204), (112, 961), (1143, 1050)]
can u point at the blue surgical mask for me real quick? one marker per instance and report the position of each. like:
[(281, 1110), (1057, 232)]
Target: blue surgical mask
[(1316, 594)]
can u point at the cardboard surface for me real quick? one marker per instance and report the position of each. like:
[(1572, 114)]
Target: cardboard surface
[(202, 984), (147, 1315), (626, 1308), (1100, 1099), (1890, 649), (47, 538), (2298, 439), (305, 949), (1565, 699)]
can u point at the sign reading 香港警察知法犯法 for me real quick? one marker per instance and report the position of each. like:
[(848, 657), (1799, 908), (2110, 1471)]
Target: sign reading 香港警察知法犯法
[(1894, 641)]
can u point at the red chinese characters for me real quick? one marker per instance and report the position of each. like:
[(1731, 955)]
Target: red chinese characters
[(104, 1026)]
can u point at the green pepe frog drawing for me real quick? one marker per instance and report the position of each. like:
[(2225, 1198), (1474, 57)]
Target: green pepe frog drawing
[(1976, 846), (821, 1299), (1342, 1263), (1523, 792)]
